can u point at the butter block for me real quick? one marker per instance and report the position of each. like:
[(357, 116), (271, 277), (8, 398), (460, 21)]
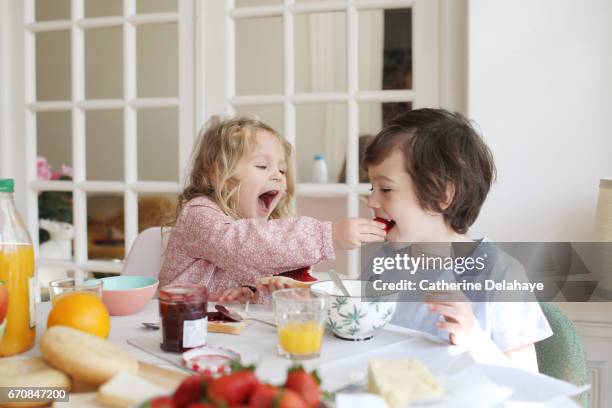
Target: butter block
[(401, 381), (127, 389)]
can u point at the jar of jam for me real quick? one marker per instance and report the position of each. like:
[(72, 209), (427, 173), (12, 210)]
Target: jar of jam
[(184, 323)]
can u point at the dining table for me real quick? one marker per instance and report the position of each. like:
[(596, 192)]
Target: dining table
[(343, 365)]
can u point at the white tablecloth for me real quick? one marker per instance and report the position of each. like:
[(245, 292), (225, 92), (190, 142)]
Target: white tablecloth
[(340, 362)]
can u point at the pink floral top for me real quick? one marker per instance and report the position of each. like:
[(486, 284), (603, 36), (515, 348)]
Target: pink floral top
[(208, 247)]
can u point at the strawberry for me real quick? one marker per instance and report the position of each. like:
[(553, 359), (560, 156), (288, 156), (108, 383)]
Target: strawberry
[(233, 388), (192, 389), (289, 399), (264, 396), (388, 223), (200, 405), (162, 402), (302, 274), (305, 384)]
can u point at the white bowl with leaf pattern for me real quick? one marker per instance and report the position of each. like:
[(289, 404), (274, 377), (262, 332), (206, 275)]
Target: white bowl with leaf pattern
[(360, 315)]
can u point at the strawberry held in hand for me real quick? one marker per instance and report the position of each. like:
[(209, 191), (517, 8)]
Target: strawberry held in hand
[(388, 223), (305, 384)]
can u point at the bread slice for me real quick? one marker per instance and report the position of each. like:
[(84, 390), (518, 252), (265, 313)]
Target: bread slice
[(217, 323), (292, 283), (30, 372), (127, 389)]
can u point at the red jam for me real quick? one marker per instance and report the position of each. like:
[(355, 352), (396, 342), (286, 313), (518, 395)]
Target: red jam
[(182, 309)]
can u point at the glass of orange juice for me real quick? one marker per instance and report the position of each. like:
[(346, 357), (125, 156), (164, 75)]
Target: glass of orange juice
[(300, 322), (61, 287)]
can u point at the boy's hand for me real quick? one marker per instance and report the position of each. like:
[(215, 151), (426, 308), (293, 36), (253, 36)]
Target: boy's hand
[(458, 317), (239, 295), (350, 233)]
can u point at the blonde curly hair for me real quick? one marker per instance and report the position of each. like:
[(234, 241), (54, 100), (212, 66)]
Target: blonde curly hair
[(221, 146)]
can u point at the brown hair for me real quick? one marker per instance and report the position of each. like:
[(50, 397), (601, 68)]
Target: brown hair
[(441, 150), (221, 146)]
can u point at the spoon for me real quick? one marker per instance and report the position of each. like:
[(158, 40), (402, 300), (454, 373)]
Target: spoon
[(235, 316), (338, 282)]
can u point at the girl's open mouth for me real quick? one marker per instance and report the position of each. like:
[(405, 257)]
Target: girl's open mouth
[(266, 199)]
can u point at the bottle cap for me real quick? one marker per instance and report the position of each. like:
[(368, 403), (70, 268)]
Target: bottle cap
[(319, 157), (7, 185)]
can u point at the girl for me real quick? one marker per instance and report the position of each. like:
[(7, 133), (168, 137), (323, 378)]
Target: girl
[(430, 173), (234, 223)]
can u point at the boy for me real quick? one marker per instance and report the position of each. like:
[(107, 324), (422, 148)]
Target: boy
[(430, 173)]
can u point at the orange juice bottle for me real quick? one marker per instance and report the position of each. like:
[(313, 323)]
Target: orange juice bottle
[(17, 313)]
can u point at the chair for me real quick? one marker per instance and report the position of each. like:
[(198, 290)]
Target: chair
[(562, 355), (146, 255)]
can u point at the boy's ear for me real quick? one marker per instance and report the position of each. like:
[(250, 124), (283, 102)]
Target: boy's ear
[(449, 194)]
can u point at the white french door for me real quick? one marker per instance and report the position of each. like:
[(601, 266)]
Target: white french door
[(299, 63), (94, 97)]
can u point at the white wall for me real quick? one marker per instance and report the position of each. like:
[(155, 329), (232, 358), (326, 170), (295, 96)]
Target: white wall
[(540, 88)]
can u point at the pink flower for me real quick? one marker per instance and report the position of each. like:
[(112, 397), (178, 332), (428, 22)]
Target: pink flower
[(67, 171), (43, 168)]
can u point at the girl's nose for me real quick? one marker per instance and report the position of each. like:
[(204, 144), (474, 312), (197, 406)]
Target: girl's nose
[(277, 176)]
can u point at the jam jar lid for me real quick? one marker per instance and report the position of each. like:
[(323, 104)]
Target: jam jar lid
[(183, 293)]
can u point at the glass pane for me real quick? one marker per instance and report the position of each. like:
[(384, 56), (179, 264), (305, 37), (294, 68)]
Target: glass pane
[(158, 144), (105, 226), (55, 233), (321, 129), (320, 52), (325, 209), (54, 144), (103, 8), (53, 65), (104, 144), (157, 60), (271, 115), (155, 6), (385, 49), (104, 63), (156, 210), (52, 10), (374, 115), (255, 3), (259, 56)]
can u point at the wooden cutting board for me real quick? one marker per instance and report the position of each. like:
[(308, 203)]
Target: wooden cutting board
[(84, 396)]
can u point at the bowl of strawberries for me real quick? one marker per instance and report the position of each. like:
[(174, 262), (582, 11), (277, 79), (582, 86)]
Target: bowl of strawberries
[(242, 388)]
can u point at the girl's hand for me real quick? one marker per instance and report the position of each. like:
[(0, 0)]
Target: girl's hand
[(458, 316), (350, 233), (239, 295), (271, 285)]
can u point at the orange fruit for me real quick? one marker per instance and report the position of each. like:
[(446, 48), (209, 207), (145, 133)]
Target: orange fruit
[(82, 311)]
